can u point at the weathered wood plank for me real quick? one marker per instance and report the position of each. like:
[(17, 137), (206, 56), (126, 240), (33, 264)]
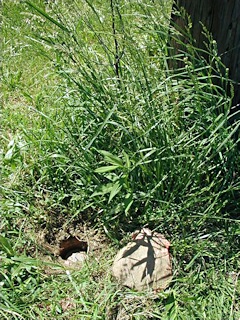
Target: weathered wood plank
[(222, 19)]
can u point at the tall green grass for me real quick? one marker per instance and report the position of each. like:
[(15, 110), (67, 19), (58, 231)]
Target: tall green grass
[(170, 146)]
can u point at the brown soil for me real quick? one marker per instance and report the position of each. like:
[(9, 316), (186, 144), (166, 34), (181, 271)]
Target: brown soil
[(58, 241)]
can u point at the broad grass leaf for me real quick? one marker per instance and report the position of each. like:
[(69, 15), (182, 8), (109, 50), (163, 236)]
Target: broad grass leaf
[(9, 154), (106, 169), (111, 158), (102, 190), (127, 160), (6, 246), (116, 188), (128, 201)]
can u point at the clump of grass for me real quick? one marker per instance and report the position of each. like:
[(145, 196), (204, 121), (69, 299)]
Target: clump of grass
[(166, 139)]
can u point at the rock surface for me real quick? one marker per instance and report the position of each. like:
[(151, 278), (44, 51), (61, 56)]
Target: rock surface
[(145, 262)]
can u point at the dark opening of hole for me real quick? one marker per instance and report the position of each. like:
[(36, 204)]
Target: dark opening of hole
[(70, 246)]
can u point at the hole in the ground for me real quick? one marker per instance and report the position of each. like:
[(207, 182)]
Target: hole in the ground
[(70, 246)]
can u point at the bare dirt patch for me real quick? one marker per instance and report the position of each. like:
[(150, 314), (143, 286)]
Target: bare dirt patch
[(71, 244)]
